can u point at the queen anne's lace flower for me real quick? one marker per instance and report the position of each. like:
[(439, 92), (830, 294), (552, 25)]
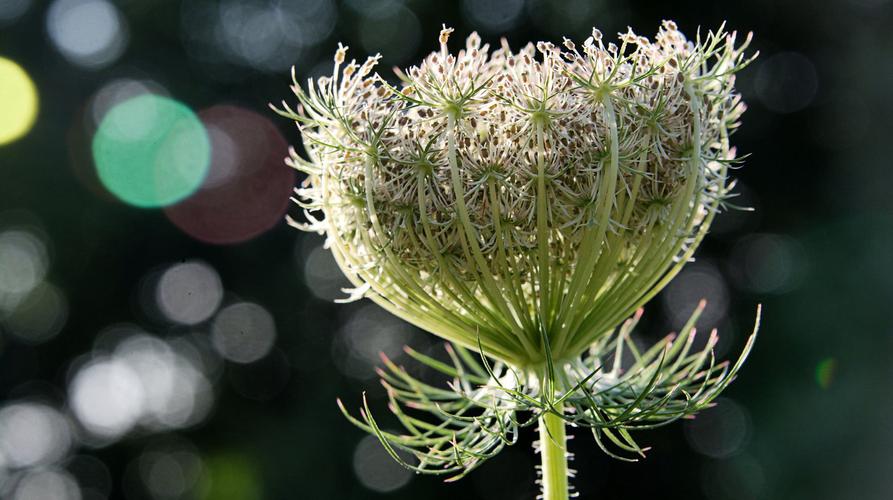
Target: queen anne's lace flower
[(507, 196), (525, 203)]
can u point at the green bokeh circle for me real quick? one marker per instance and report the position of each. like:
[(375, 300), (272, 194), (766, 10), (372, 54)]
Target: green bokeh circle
[(151, 151)]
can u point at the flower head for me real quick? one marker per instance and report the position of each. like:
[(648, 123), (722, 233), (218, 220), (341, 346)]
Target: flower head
[(526, 204), (519, 197)]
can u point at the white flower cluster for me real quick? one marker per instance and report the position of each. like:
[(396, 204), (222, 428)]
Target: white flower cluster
[(525, 202)]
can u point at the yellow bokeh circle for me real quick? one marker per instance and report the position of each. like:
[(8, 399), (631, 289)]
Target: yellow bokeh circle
[(18, 101)]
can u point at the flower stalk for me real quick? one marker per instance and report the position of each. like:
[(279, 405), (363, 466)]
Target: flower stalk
[(554, 457)]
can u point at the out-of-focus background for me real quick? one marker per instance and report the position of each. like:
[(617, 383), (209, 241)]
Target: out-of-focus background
[(182, 343)]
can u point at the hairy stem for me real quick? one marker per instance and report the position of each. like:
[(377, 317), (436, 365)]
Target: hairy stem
[(553, 453)]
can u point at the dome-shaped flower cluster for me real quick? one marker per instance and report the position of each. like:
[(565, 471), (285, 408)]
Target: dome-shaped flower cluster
[(519, 198), (525, 205)]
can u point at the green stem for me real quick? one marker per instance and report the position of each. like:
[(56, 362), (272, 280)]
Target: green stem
[(553, 450)]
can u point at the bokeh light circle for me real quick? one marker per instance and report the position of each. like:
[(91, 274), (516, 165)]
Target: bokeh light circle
[(493, 16), (84, 123), (39, 316), (107, 397), (767, 263), (23, 261), (170, 470), (321, 273), (151, 151), (33, 434), (825, 372), (248, 185), (12, 10), (786, 82), (395, 34), (376, 470), (45, 484), (174, 391), (243, 332), (720, 432), (266, 36), (18, 100), (89, 33), (189, 293), (698, 281), (368, 333)]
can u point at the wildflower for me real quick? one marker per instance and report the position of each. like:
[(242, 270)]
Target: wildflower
[(525, 206)]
